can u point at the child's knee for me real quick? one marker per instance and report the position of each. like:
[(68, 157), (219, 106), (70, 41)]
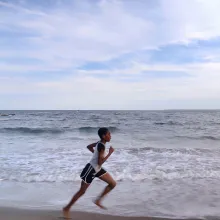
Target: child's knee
[(112, 184)]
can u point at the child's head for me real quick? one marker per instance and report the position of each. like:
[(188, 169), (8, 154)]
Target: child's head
[(104, 134)]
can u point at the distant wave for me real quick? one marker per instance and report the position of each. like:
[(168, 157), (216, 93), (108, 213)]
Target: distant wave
[(28, 130), (32, 130), (210, 138), (5, 115), (168, 123), (95, 129), (205, 137), (171, 150), (216, 123)]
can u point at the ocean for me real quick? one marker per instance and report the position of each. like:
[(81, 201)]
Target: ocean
[(166, 163)]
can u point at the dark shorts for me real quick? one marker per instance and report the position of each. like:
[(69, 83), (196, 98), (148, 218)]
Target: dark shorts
[(89, 173)]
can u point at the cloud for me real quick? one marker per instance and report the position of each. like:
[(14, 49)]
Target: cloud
[(104, 30), (109, 54), (88, 92)]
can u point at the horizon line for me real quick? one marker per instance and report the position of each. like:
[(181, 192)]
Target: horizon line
[(188, 109)]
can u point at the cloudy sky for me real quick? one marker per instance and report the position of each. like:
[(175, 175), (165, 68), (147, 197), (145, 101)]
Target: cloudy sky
[(109, 54)]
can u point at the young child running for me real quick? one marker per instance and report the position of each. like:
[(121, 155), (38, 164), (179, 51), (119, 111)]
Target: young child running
[(94, 169)]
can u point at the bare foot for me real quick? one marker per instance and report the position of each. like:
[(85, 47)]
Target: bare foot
[(97, 202), (66, 213)]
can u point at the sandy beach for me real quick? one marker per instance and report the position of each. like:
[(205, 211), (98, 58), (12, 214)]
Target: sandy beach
[(24, 214)]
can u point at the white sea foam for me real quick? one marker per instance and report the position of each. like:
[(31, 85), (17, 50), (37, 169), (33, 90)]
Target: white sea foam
[(154, 164)]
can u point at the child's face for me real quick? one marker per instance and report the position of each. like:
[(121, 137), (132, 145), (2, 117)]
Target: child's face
[(107, 137)]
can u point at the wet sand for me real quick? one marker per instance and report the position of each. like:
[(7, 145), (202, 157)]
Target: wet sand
[(22, 214)]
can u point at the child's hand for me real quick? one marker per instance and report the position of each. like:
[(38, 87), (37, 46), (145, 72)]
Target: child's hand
[(111, 150)]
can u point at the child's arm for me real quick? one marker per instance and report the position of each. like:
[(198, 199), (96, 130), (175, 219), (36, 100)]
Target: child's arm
[(102, 157), (91, 147)]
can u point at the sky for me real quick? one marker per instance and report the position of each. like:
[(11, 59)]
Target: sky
[(109, 54)]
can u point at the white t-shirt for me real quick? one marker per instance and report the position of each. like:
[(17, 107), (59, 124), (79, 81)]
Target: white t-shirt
[(95, 157)]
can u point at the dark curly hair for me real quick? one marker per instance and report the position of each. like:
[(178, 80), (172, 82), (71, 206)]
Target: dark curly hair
[(102, 131)]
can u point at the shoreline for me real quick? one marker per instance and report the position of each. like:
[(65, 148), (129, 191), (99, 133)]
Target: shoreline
[(37, 214)]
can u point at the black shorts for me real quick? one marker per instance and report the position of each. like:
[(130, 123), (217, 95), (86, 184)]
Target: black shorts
[(89, 173)]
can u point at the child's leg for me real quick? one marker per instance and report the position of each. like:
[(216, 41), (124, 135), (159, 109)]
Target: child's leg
[(111, 185), (82, 190)]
